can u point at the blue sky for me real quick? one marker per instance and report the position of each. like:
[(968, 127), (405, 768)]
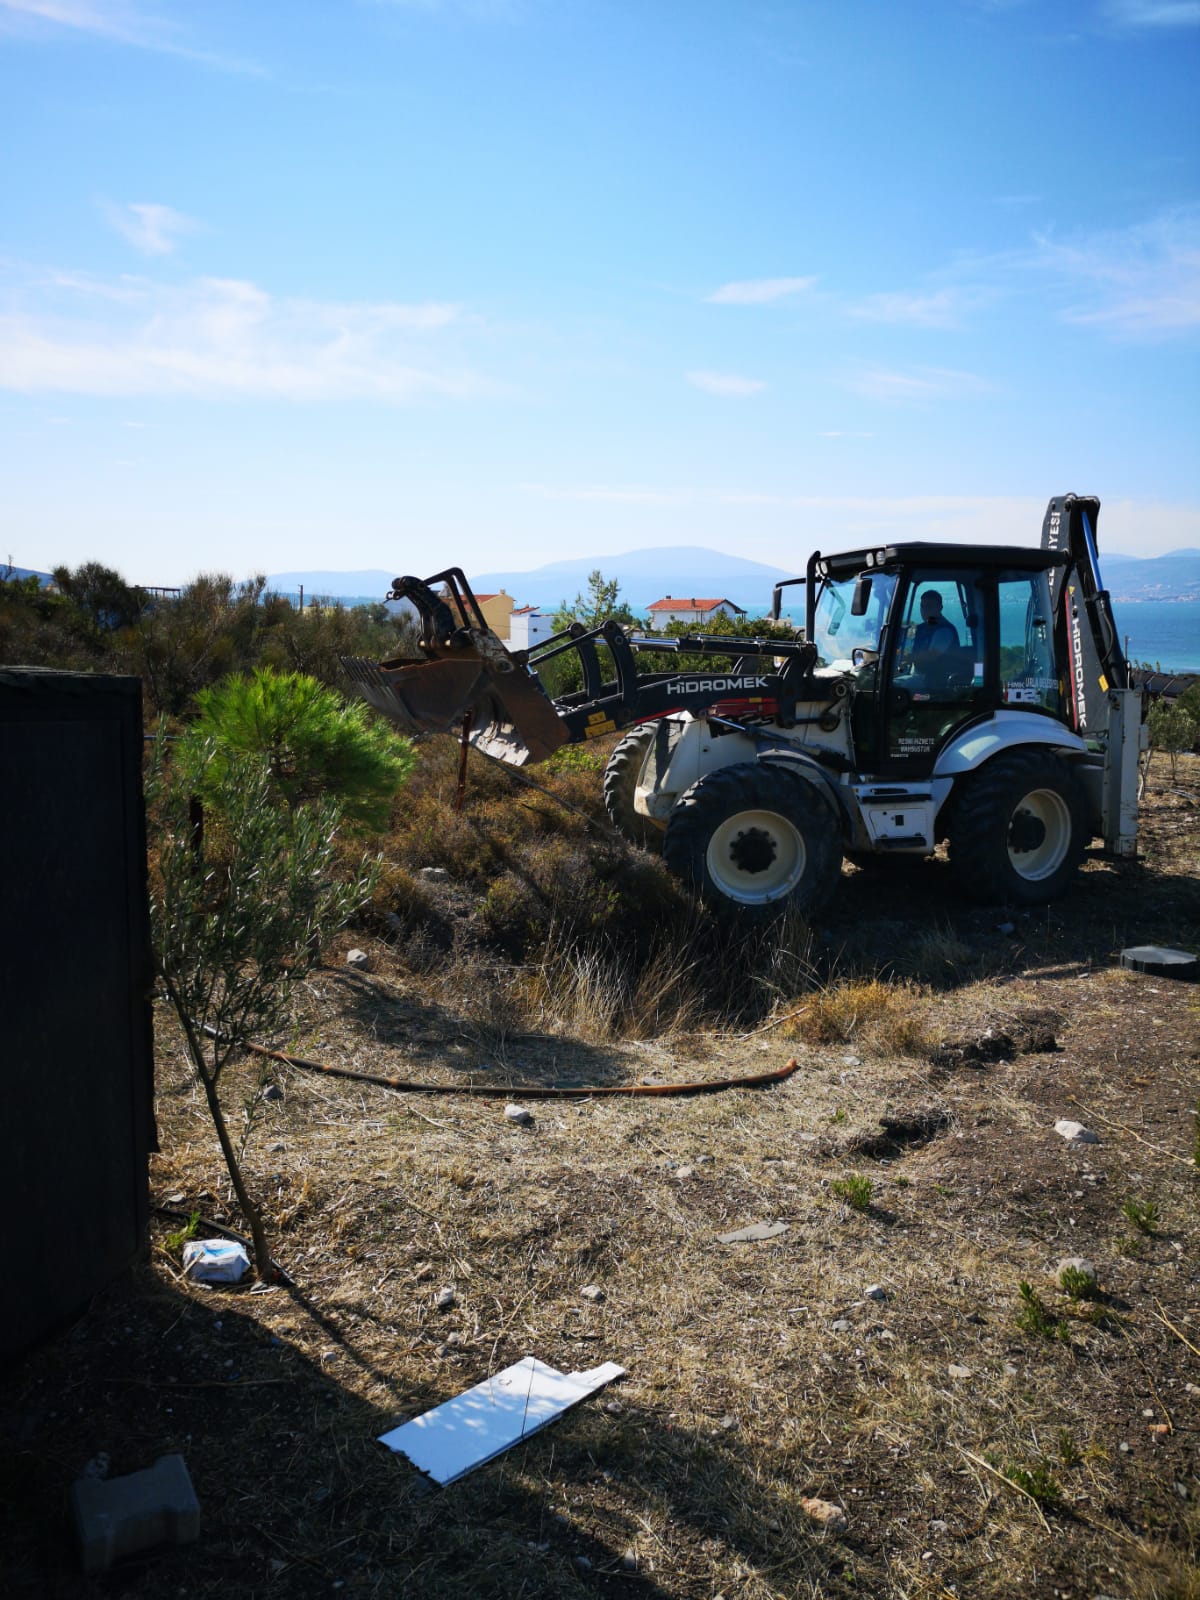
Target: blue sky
[(398, 283)]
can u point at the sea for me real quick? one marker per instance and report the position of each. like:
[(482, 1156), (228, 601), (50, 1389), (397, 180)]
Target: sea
[(1163, 634)]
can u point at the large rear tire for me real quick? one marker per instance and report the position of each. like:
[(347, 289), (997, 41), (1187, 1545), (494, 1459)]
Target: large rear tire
[(620, 784), (1018, 829), (754, 840)]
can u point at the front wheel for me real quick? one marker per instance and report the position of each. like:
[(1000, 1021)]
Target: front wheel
[(754, 839), (1018, 829), (620, 786)]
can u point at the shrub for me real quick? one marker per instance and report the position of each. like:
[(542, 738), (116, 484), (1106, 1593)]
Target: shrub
[(1171, 730), (238, 914), (313, 742)]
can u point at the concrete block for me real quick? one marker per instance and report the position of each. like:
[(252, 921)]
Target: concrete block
[(116, 1517)]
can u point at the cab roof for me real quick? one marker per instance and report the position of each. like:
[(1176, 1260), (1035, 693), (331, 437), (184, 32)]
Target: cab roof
[(889, 557)]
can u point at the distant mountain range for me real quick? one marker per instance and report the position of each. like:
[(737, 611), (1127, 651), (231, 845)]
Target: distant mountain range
[(1175, 576), (687, 570)]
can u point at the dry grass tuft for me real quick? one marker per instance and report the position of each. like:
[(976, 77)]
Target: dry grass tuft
[(889, 1017)]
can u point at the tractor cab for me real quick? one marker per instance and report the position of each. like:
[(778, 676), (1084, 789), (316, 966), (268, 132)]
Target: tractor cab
[(934, 637)]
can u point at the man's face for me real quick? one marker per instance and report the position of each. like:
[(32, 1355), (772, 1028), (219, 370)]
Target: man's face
[(931, 605)]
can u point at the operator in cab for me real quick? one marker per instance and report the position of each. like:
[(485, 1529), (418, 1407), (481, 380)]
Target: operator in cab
[(934, 635)]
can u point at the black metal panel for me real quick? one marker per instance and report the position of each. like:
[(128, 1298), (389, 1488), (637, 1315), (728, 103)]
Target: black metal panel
[(76, 1061)]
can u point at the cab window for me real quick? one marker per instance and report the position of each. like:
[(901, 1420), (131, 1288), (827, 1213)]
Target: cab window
[(838, 632), (1027, 672), (939, 653)]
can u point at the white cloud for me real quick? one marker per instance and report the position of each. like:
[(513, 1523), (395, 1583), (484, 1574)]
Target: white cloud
[(759, 291), (1143, 282), (942, 308), (225, 337), (726, 384), (917, 384), (609, 494), (122, 22), (154, 230), (1153, 13)]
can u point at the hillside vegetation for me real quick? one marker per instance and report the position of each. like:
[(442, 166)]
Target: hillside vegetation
[(975, 1341)]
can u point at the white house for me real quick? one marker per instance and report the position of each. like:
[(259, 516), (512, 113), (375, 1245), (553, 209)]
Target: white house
[(528, 626), (696, 613)]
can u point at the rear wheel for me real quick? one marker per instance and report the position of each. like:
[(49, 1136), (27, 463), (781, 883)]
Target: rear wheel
[(620, 785), (1018, 829), (755, 839)]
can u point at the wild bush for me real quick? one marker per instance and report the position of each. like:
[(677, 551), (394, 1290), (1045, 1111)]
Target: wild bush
[(239, 912), (312, 740)]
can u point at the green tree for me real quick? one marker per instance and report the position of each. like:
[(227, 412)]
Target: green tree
[(601, 601), (239, 911), (102, 595), (313, 742), (1171, 730)]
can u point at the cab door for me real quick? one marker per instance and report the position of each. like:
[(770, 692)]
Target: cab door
[(939, 670)]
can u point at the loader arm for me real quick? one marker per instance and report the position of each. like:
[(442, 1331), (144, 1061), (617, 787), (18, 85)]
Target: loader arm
[(1105, 708), (464, 670)]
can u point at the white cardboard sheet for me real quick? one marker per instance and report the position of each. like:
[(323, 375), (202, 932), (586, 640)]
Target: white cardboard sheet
[(463, 1433)]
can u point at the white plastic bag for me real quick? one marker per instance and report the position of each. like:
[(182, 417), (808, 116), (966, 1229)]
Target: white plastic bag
[(215, 1260)]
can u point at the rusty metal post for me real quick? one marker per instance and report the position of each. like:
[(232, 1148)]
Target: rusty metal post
[(462, 762)]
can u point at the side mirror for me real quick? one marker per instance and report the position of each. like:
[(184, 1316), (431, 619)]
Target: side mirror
[(862, 597), (864, 658)]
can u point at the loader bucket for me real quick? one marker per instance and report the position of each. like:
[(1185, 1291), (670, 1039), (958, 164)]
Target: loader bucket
[(511, 716), (464, 669)]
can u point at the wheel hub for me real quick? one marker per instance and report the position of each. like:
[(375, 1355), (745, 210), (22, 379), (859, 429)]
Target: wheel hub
[(756, 857), (752, 850), (1039, 835), (1026, 833)]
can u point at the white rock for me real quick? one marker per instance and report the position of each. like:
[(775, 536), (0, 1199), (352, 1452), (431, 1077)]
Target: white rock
[(822, 1511), (434, 874), (593, 1292), (358, 958), (840, 1326), (876, 1291), (519, 1115), (1076, 1264), (445, 1298), (1075, 1132), (957, 1371)]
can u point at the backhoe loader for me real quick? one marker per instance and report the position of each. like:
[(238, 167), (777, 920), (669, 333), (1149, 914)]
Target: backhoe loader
[(975, 695)]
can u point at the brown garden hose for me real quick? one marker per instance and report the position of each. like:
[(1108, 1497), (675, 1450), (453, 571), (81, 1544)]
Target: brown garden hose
[(488, 1091)]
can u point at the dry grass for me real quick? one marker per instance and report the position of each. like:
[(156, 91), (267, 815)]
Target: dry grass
[(758, 1374), (887, 1017)]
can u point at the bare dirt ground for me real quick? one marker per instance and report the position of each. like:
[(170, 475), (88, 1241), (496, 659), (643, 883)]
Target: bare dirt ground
[(979, 1443)]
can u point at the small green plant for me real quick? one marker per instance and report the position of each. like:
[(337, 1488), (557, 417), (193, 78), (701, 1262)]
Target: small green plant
[(839, 1115), (1143, 1214), (176, 1241), (1034, 1317), (901, 1183), (1039, 1483), (1078, 1284), (855, 1191)]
